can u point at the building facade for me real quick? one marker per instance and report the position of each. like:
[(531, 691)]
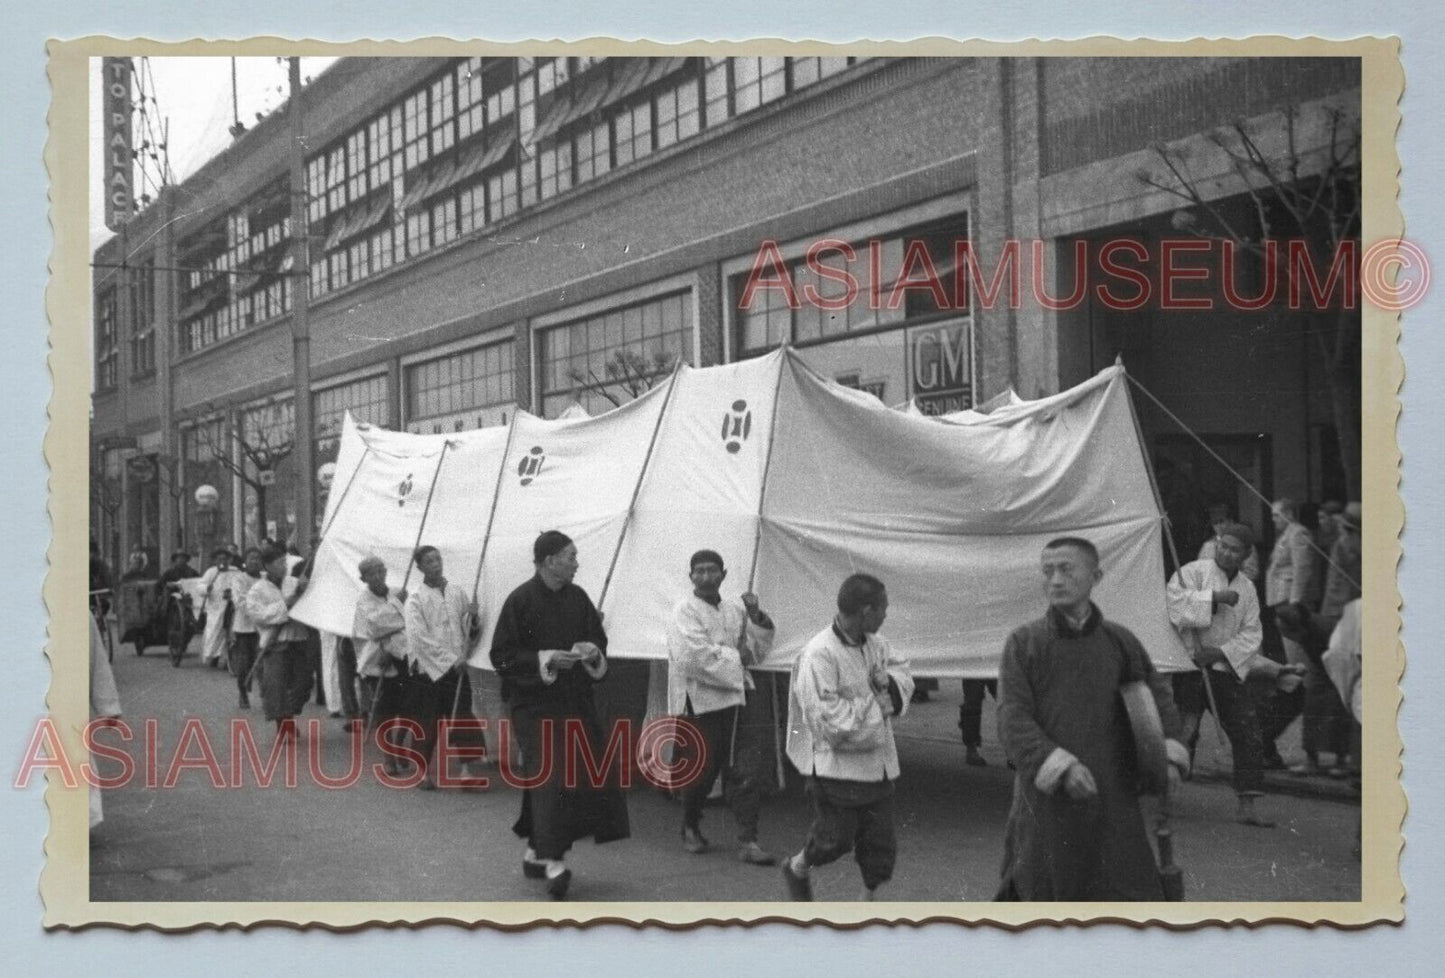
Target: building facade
[(484, 235)]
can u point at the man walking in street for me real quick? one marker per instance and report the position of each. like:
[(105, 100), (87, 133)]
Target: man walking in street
[(710, 644), (244, 637), (847, 685), (1216, 611), (378, 630), (1075, 831), (217, 586), (550, 650), (442, 624), (285, 673)]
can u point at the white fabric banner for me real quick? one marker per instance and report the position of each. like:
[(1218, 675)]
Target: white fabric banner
[(951, 516)]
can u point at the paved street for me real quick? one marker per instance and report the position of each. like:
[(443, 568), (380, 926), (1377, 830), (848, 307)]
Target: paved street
[(370, 842)]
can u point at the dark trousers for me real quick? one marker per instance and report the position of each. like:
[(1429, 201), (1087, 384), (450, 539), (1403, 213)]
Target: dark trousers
[(856, 816), (346, 676), (970, 712), (243, 658), (1238, 709), (314, 674), (721, 730), (285, 680), (429, 700)]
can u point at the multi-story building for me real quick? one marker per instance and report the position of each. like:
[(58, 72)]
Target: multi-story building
[(494, 234)]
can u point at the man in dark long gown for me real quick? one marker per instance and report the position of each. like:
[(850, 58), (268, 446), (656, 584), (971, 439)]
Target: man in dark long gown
[(549, 649), (1075, 831)]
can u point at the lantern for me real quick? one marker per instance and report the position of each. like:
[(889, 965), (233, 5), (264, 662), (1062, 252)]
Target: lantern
[(207, 497)]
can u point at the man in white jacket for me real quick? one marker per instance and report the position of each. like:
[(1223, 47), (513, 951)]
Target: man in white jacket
[(848, 683), (710, 644), (1216, 611)]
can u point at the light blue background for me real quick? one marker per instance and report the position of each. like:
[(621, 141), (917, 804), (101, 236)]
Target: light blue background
[(25, 387)]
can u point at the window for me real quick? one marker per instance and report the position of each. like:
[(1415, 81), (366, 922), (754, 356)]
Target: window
[(335, 179), (383, 148), (556, 169), (757, 81), (615, 351), (143, 315), (107, 353), (356, 165), (444, 221), (634, 133), (502, 194), (806, 71), (366, 399), (416, 144), (677, 113), (919, 257), (593, 152), (472, 204), (715, 88), (443, 115), (469, 98), (462, 390), (418, 232)]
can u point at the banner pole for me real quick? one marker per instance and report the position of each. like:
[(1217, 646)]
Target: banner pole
[(496, 494), (421, 528), (1169, 538), (342, 499), (641, 475), (784, 360)]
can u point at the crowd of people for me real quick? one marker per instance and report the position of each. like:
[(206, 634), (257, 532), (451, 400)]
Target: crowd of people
[(1075, 828)]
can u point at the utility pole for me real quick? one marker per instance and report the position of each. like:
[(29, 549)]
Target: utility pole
[(303, 452)]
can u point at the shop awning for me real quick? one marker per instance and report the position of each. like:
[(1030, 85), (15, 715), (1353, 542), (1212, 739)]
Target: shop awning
[(558, 114), (632, 77)]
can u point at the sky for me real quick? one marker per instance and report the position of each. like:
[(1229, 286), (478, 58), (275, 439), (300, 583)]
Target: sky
[(194, 94)]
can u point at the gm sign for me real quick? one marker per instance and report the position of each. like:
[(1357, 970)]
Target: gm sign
[(940, 367)]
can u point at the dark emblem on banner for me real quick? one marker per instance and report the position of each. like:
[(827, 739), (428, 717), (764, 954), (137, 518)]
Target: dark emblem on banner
[(403, 490), (531, 465), (737, 425)]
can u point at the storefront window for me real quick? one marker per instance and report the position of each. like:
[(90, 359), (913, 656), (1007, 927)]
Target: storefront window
[(610, 358), (905, 333), (471, 389)]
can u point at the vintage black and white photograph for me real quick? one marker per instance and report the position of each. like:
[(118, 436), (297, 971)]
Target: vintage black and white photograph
[(528, 479)]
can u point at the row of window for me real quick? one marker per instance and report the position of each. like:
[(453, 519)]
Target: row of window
[(473, 146)]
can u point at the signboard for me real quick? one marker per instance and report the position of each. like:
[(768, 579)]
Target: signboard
[(940, 367), (266, 477), (142, 468), (117, 173)]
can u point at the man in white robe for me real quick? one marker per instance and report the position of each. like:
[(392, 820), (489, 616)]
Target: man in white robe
[(217, 586)]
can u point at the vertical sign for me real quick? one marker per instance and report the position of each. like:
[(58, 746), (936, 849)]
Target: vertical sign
[(116, 109)]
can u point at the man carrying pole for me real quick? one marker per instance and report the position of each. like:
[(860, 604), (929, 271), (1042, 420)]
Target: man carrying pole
[(1075, 831), (379, 630), (285, 675), (1216, 611), (710, 644), (442, 625), (550, 650)]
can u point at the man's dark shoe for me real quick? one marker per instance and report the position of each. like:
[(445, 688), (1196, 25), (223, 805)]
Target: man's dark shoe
[(800, 888), (533, 869), (557, 885), (755, 855)]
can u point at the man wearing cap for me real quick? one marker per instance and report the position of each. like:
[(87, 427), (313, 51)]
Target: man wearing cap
[(285, 679), (1216, 611), (710, 644), (1075, 831), (442, 623), (217, 585), (1219, 517), (550, 650)]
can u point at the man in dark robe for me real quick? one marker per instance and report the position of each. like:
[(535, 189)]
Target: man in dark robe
[(549, 650), (1075, 831)]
